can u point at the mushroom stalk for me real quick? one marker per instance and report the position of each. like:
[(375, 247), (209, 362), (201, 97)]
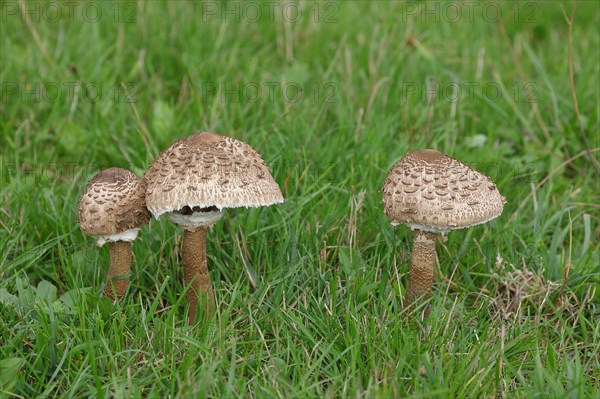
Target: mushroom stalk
[(117, 279), (420, 277), (196, 273)]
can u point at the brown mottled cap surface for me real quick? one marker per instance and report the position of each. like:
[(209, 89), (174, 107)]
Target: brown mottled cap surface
[(112, 203), (430, 191), (208, 170)]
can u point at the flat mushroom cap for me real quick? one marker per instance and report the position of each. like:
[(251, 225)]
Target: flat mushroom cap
[(430, 191), (112, 203), (208, 170)]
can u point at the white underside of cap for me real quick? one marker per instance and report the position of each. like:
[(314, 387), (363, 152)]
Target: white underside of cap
[(440, 230), (429, 229), (221, 206), (196, 219), (128, 235)]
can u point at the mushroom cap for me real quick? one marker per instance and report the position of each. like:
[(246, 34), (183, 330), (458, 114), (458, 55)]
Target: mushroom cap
[(430, 191), (112, 203), (208, 170)]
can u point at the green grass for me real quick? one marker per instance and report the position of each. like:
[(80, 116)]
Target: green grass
[(309, 292)]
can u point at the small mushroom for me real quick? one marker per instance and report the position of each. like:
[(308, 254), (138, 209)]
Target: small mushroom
[(466, 198), (192, 182), (113, 208)]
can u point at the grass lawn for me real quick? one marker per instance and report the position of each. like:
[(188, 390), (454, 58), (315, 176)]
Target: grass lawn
[(309, 293)]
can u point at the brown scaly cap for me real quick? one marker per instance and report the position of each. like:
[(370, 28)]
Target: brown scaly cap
[(430, 191), (112, 203), (208, 170)]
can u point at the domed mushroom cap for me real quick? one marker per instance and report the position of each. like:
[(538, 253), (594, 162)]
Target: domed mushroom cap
[(208, 170), (113, 203), (430, 191)]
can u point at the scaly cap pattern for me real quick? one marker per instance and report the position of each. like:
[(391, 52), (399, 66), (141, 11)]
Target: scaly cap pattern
[(113, 202), (208, 170), (430, 191)]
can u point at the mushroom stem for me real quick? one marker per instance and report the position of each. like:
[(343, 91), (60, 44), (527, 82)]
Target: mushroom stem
[(196, 272), (420, 278), (117, 279)]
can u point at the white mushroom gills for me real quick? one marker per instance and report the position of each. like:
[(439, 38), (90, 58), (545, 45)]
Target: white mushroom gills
[(196, 219), (126, 236)]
